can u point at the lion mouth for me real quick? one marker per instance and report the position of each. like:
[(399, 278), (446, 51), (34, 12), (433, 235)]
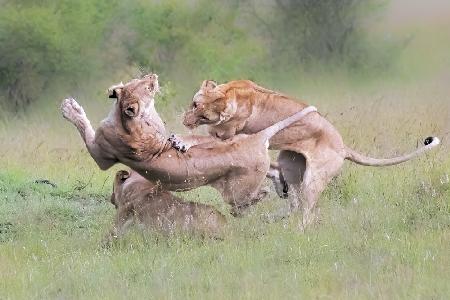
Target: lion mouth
[(203, 120), (190, 124), (206, 121), (200, 121)]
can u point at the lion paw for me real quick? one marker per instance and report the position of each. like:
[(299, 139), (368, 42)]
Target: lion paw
[(71, 110), (178, 144)]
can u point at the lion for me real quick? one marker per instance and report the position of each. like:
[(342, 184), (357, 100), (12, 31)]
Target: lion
[(139, 201), (134, 135), (312, 150)]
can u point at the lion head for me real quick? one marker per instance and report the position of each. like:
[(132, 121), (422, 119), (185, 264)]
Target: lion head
[(210, 106), (135, 98), (119, 180)]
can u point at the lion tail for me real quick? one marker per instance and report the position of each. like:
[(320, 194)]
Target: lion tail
[(352, 155)]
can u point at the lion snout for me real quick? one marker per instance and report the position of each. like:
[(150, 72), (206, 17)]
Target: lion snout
[(189, 120)]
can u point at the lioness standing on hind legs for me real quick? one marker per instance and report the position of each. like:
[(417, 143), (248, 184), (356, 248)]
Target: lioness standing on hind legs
[(312, 150), (134, 135)]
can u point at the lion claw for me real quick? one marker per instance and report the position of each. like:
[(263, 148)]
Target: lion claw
[(171, 137), (177, 143)]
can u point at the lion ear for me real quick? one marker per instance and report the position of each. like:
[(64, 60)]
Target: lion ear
[(114, 94), (114, 91), (123, 175), (209, 85)]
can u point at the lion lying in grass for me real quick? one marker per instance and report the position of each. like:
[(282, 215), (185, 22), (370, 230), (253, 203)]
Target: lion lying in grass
[(139, 201), (312, 150), (134, 135)]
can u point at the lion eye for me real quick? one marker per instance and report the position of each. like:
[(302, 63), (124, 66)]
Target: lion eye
[(194, 105)]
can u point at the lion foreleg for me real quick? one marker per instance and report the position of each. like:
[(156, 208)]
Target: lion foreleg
[(184, 143), (74, 113), (124, 219)]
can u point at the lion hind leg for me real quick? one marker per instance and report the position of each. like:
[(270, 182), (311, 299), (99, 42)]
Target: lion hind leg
[(292, 166), (242, 190), (280, 184), (317, 175)]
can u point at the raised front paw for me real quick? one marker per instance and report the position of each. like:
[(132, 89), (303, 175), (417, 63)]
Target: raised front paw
[(177, 143), (71, 110)]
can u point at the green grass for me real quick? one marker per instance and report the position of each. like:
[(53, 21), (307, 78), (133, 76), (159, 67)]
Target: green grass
[(384, 232)]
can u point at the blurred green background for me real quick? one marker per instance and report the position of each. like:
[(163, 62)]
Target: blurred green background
[(50, 49)]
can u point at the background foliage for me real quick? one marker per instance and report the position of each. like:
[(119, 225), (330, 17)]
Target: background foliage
[(47, 44)]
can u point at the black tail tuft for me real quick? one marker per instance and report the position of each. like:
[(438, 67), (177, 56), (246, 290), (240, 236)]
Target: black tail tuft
[(428, 140)]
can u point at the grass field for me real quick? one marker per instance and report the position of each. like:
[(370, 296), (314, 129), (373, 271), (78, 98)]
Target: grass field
[(384, 232)]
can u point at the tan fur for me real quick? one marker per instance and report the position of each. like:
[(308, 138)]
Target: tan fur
[(134, 135), (312, 153), (139, 201)]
